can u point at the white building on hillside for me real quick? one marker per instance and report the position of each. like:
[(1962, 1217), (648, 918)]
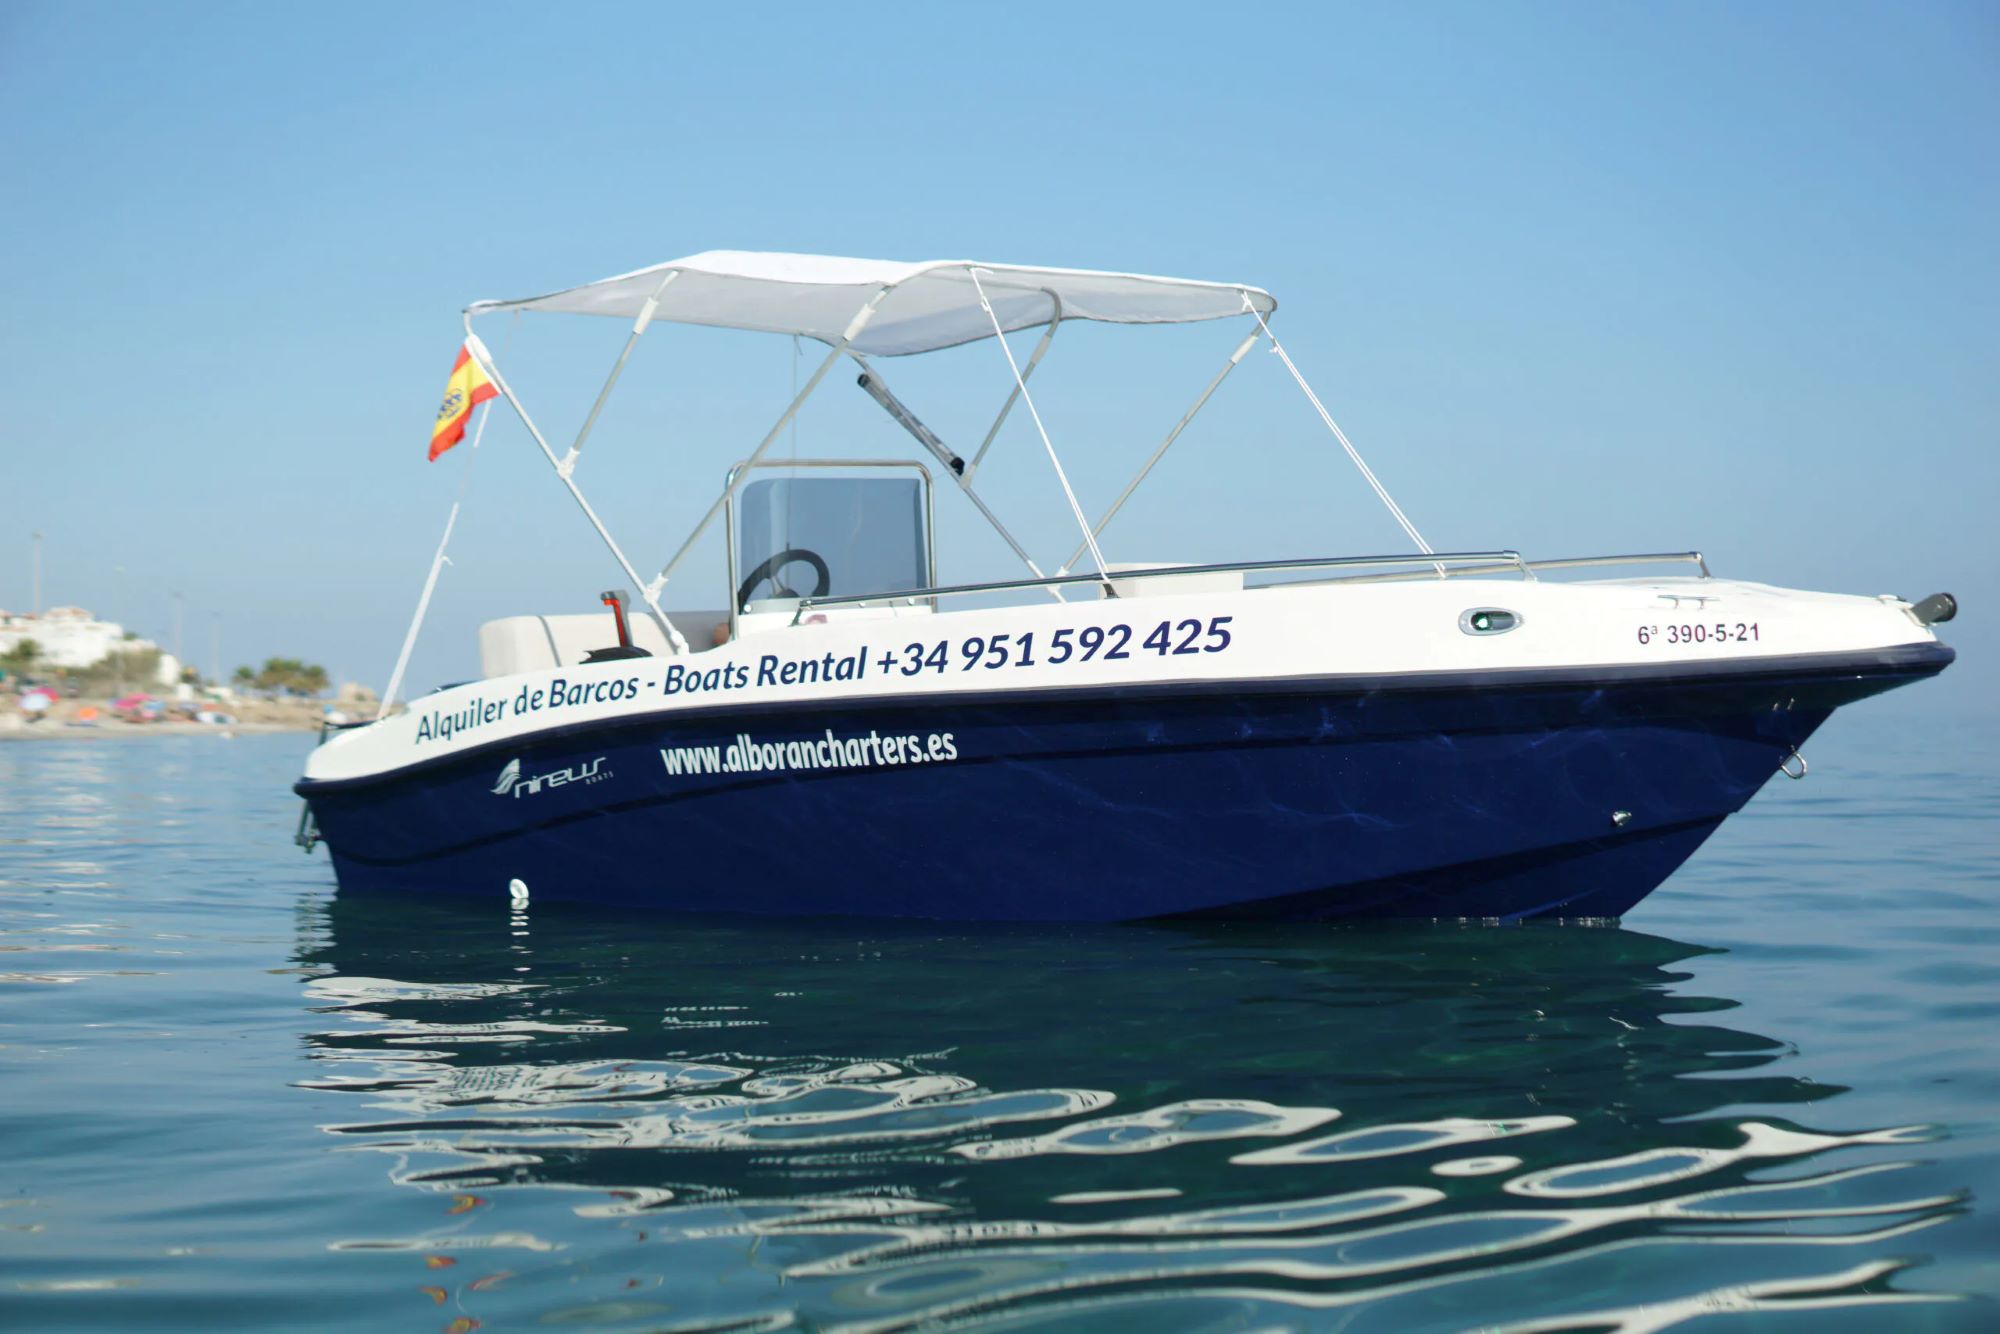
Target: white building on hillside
[(72, 637)]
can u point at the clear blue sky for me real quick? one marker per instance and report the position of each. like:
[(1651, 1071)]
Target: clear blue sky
[(1574, 277)]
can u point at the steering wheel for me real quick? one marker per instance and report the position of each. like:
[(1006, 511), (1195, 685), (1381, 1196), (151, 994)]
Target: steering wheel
[(768, 569)]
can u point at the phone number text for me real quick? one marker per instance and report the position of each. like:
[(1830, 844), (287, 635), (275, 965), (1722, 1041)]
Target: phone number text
[(1106, 643)]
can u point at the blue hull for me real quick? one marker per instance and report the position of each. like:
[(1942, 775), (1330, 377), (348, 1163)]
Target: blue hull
[(1477, 797)]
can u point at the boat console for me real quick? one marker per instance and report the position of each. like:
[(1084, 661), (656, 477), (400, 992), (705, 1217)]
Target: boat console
[(826, 528)]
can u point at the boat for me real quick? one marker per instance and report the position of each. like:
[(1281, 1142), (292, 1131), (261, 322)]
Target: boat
[(1456, 735)]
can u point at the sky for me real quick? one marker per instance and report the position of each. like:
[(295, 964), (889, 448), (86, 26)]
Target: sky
[(1575, 278)]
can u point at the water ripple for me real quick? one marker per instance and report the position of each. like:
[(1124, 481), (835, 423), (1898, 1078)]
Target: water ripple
[(1158, 1128), (242, 1099)]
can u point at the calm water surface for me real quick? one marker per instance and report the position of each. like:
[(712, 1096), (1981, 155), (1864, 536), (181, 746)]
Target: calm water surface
[(229, 1096)]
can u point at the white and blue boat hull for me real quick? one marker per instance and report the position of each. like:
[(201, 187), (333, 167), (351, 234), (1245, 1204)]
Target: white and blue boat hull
[(1502, 792)]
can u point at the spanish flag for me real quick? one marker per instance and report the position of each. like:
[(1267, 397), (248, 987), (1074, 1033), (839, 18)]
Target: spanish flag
[(467, 389)]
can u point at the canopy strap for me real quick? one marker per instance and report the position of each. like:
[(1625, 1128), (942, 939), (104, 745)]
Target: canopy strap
[(1000, 335), (1381, 492)]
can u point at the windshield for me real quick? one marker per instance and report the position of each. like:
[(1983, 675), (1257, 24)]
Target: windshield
[(869, 531)]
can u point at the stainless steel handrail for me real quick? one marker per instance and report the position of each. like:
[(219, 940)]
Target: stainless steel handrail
[(1506, 560), (1491, 562), (1645, 558), (1568, 563)]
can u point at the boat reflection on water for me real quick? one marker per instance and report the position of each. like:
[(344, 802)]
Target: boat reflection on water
[(707, 1123)]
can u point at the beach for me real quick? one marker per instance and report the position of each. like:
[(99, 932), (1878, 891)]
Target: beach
[(93, 720)]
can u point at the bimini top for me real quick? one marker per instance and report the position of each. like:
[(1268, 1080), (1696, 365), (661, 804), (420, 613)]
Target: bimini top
[(929, 305)]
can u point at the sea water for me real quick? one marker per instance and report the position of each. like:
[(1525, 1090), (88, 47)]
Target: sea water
[(232, 1097)]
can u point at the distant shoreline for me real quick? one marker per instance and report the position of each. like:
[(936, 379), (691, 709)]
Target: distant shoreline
[(120, 731), (81, 717)]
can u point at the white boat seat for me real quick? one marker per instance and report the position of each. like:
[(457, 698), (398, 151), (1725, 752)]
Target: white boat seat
[(536, 643)]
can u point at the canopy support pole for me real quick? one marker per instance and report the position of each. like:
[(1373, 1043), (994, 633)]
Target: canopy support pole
[(646, 312), (1089, 538), (485, 359), (742, 472), (1381, 492), (1242, 350), (1034, 360), (964, 481)]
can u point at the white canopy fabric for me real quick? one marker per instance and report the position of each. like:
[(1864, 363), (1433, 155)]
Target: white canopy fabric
[(931, 304)]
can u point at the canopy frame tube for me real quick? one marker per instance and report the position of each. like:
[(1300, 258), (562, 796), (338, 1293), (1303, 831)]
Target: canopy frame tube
[(839, 349), (486, 364), (964, 482), (1236, 357), (646, 313), (1013, 395), (1353, 454), (1021, 383), (845, 345)]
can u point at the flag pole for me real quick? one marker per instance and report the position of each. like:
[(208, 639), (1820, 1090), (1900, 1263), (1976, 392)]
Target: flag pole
[(438, 562)]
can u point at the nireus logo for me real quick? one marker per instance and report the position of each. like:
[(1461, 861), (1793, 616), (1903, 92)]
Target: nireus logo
[(511, 783)]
